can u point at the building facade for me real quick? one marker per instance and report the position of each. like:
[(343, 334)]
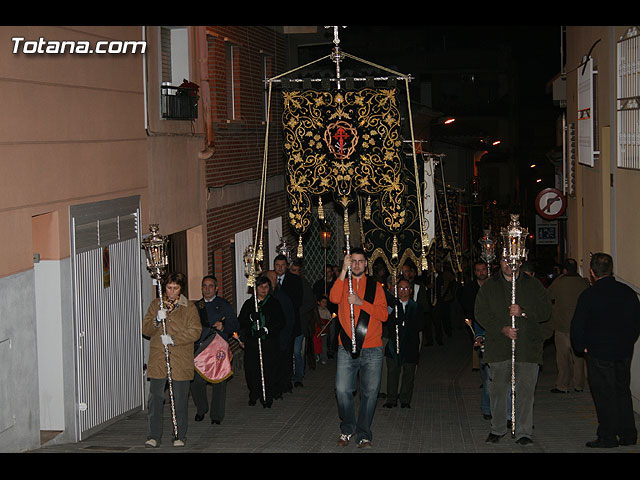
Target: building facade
[(92, 154), (602, 168), (106, 131)]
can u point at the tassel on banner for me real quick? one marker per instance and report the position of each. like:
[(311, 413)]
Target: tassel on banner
[(300, 247), (259, 253), (394, 248), (367, 209), (320, 209), (425, 262)]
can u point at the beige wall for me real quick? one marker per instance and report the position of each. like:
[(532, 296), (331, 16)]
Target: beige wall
[(601, 217), (71, 131), (177, 195), (76, 129)]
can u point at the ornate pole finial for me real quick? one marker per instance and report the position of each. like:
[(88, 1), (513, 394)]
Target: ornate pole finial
[(514, 237), (487, 248), (336, 56)]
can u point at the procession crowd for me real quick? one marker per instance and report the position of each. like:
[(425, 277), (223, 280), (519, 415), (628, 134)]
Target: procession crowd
[(375, 328)]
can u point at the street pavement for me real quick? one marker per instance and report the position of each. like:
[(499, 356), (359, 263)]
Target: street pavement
[(444, 417)]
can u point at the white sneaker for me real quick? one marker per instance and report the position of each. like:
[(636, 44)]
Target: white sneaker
[(343, 440), (151, 443), (178, 443), (364, 443)]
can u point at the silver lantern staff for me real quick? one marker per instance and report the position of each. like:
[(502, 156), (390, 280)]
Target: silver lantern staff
[(395, 308), (155, 247), (513, 253), (251, 261), (348, 245), (487, 249)]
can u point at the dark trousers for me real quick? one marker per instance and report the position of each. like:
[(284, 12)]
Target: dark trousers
[(253, 375), (395, 373), (156, 407), (609, 381), (218, 397), (433, 323)]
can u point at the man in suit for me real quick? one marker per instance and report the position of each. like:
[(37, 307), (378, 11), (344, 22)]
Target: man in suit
[(421, 296), (218, 318), (291, 285), (308, 305), (403, 348)]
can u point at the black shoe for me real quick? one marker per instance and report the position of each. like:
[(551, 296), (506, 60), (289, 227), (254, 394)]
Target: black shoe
[(524, 441), (486, 416), (389, 405), (577, 390), (298, 384), (199, 418), (599, 443), (216, 422), (493, 438), (623, 441), (252, 402), (555, 390), (405, 405)]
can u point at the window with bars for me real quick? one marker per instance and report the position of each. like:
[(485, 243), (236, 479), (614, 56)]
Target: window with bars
[(232, 52), (628, 99)]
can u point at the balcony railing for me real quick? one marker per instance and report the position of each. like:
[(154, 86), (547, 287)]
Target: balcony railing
[(179, 103)]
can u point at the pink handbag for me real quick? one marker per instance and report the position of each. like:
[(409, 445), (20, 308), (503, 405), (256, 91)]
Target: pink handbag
[(213, 363)]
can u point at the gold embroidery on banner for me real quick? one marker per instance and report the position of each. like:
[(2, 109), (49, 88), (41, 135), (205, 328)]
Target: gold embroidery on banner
[(344, 143)]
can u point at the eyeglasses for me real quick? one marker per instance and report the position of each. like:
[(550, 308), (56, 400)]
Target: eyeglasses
[(404, 288)]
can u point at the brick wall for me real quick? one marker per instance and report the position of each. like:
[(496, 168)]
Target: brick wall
[(223, 223), (239, 140)]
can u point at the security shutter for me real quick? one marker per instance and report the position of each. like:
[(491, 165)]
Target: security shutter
[(105, 259)]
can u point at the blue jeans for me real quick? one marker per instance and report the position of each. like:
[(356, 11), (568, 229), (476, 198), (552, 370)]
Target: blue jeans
[(298, 357), (485, 400), (369, 365)]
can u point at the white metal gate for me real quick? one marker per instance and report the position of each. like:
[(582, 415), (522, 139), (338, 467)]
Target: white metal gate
[(105, 265)]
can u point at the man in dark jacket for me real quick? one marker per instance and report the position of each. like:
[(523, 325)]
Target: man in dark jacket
[(291, 285), (468, 301), (605, 326), (218, 318), (403, 348), (307, 307), (494, 310)]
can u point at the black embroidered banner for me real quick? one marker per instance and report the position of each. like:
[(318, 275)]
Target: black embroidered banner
[(343, 143)]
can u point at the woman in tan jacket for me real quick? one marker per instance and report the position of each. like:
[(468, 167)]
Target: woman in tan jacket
[(183, 329)]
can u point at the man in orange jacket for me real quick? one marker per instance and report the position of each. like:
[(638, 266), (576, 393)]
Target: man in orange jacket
[(370, 312)]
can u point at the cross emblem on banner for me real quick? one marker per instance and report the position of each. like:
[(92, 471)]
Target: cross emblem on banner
[(341, 135)]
